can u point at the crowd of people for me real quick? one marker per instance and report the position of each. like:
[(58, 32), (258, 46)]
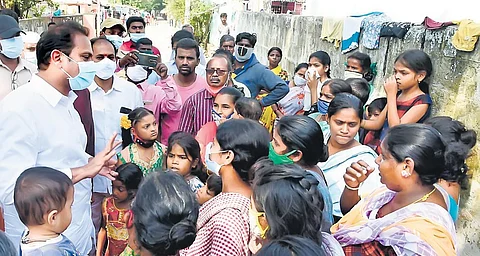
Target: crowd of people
[(103, 155)]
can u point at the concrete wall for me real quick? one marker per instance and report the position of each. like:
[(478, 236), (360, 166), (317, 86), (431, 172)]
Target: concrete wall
[(455, 83), (40, 24)]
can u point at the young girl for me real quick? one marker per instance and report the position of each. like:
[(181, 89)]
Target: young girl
[(318, 73), (359, 65), (183, 157), (372, 138), (140, 145), (407, 91), (114, 230), (223, 107), (293, 102), (211, 189)]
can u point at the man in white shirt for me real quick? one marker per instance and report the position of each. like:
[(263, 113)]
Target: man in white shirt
[(108, 93), (40, 127)]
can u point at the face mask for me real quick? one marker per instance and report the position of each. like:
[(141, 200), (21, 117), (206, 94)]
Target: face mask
[(242, 53), (137, 73), (137, 36), (106, 68), (299, 81), (352, 74), (30, 57), (217, 118), (85, 75), (12, 47), (212, 165), (280, 159), (255, 227), (323, 106), (312, 70), (143, 143), (116, 40)]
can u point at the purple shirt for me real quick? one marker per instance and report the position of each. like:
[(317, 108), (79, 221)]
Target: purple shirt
[(196, 112), (162, 99), (83, 105)]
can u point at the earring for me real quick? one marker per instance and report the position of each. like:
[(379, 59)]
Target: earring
[(405, 174)]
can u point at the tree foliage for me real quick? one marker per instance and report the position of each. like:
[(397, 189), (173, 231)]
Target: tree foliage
[(27, 8), (147, 5), (200, 16)]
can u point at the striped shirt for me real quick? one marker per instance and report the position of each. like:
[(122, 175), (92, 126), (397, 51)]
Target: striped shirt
[(197, 111)]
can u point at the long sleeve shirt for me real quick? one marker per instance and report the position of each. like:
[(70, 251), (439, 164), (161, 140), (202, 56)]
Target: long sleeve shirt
[(40, 127), (196, 112)]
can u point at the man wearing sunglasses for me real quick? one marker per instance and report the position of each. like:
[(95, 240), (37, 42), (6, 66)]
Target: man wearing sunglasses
[(197, 109)]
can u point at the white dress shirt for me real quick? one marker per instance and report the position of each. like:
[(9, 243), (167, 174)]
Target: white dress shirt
[(40, 127), (106, 118)]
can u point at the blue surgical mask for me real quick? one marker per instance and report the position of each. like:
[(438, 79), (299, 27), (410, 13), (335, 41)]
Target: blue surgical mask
[(137, 36), (323, 106), (12, 47), (86, 74), (116, 40), (212, 165), (217, 118)]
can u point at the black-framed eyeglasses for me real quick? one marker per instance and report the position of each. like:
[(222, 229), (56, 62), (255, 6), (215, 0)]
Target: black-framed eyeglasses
[(219, 72)]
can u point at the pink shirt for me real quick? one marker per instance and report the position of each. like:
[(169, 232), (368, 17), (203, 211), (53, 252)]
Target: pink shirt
[(162, 99), (170, 122)]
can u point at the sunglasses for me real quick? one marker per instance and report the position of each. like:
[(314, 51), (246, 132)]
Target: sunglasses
[(219, 72)]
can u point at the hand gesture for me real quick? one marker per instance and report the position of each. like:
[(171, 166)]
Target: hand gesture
[(130, 59), (162, 70), (357, 173), (102, 163), (312, 78), (390, 86)]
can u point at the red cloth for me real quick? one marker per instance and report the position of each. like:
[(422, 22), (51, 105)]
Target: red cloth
[(432, 25), (83, 105), (117, 234), (206, 135), (130, 46), (373, 248)]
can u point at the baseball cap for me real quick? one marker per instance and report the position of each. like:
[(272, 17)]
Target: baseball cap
[(111, 22), (8, 27)]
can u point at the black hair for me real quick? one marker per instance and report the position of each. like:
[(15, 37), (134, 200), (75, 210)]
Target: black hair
[(291, 201), (234, 94), (226, 38), (60, 38), (188, 44), (181, 34), (131, 176), (224, 56), (275, 49), (6, 246), (249, 108), (144, 41), (101, 38), (191, 148), (460, 141), (38, 191), (214, 183), (291, 245), (310, 141), (223, 15), (377, 104), (345, 101), (252, 38), (134, 116), (360, 88), (188, 26), (338, 86), (261, 163), (10, 13), (247, 139), (425, 146), (132, 19), (418, 61), (165, 213), (365, 63), (324, 59), (51, 23), (300, 66)]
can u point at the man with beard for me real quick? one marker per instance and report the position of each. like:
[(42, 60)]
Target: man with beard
[(187, 82), (197, 109)]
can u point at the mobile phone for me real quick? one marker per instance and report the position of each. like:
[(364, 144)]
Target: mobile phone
[(146, 60)]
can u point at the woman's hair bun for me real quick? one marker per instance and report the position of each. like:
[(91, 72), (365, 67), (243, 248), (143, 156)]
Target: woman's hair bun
[(181, 236)]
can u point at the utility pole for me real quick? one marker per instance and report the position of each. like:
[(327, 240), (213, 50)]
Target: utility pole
[(187, 12)]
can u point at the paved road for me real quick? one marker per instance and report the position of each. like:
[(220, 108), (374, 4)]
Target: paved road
[(161, 35)]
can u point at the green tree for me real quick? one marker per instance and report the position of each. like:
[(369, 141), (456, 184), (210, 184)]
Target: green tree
[(148, 5), (28, 8), (200, 17)]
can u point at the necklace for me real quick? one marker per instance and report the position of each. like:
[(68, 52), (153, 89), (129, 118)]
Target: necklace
[(425, 197)]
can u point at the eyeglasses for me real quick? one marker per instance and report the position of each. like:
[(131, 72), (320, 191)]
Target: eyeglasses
[(219, 72)]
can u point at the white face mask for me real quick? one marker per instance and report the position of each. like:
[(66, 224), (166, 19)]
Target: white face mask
[(106, 68), (242, 53), (352, 74), (299, 81), (30, 57), (312, 70), (137, 73), (212, 165)]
